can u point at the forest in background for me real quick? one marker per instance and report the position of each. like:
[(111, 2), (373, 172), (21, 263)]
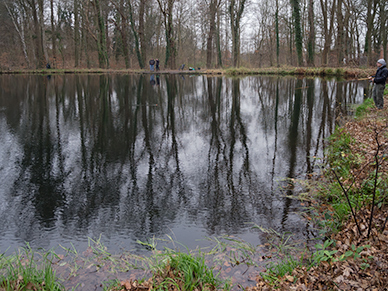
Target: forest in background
[(125, 34)]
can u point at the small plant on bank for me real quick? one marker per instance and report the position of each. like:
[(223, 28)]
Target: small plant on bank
[(111, 285), (339, 154), (284, 259), (280, 269), (323, 253), (364, 107)]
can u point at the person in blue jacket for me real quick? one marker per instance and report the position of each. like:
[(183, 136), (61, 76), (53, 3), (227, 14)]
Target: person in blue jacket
[(152, 65), (379, 83)]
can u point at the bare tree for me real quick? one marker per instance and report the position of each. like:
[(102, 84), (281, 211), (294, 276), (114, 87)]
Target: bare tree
[(19, 26), (101, 38), (213, 8), (76, 33), (311, 36), (298, 30), (328, 26), (166, 8), (136, 36), (236, 9)]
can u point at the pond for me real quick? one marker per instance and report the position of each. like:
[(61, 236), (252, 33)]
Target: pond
[(131, 157)]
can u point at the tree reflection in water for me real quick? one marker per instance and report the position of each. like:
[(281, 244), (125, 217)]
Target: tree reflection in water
[(85, 154)]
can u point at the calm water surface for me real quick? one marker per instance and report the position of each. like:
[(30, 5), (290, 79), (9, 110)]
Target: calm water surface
[(131, 157)]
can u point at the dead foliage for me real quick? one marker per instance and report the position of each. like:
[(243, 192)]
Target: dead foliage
[(369, 271)]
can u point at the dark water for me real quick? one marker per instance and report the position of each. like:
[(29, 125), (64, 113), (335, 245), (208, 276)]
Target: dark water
[(131, 157)]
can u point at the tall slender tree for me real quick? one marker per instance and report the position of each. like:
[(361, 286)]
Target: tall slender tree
[(136, 36), (340, 33), (101, 39), (213, 8), (166, 8), (19, 26), (76, 33), (369, 30), (143, 47), (39, 54), (383, 26), (236, 9), (277, 33), (328, 26), (311, 37), (218, 38), (298, 30)]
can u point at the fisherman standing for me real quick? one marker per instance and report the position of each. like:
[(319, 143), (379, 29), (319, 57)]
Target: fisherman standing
[(157, 65), (379, 83)]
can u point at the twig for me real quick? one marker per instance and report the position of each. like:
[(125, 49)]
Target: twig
[(347, 198), (385, 222), (375, 185)]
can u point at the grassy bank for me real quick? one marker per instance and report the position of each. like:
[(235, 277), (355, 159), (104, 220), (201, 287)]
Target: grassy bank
[(285, 70), (162, 269)]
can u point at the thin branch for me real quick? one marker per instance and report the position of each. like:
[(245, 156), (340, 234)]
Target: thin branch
[(347, 198), (375, 184)]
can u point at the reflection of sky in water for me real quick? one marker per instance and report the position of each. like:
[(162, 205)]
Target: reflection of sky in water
[(111, 162)]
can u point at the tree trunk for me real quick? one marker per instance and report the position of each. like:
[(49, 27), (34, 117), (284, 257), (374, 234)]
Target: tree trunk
[(340, 34), (136, 36), (277, 33), (235, 11), (42, 31), (143, 48), (311, 38), (298, 30), (383, 31), (20, 32), (167, 9), (123, 31), (76, 33), (101, 39), (218, 36), (212, 24), (39, 55), (84, 35), (327, 29), (369, 28)]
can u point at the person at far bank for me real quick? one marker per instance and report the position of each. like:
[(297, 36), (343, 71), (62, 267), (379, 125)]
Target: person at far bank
[(379, 83), (152, 65)]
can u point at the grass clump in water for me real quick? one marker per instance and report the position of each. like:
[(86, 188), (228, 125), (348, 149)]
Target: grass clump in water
[(185, 272), (181, 270)]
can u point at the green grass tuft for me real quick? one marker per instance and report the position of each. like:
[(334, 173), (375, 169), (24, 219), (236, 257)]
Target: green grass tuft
[(28, 270), (363, 108)]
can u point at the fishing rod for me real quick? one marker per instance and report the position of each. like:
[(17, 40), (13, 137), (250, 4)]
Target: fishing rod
[(353, 80), (361, 79)]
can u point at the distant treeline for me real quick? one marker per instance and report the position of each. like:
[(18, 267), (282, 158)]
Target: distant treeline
[(199, 33)]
